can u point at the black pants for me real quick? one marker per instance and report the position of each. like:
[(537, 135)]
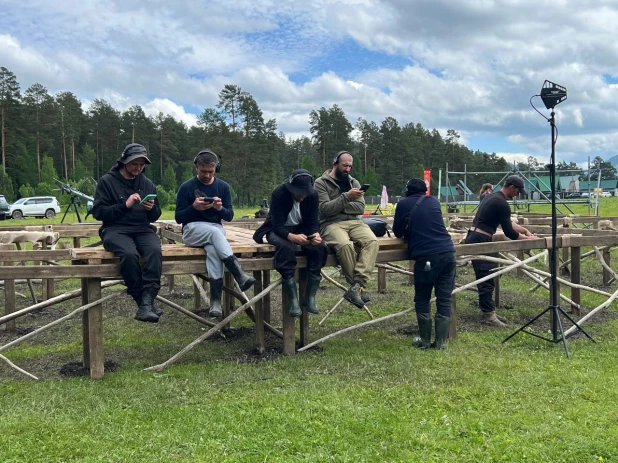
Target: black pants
[(439, 278), (285, 256), (483, 268), (129, 243)]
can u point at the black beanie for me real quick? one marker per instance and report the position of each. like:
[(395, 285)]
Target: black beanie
[(415, 186)]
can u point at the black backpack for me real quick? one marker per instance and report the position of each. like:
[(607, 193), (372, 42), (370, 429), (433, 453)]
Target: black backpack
[(378, 226)]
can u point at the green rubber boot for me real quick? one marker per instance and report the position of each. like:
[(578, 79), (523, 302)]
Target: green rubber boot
[(443, 325), (292, 292), (313, 284), (423, 341)]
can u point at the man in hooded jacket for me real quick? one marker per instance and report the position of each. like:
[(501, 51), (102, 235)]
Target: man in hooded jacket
[(292, 221), (127, 231)]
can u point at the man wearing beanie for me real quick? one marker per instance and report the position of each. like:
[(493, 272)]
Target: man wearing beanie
[(126, 230), (342, 204), (292, 221), (492, 212), (418, 220)]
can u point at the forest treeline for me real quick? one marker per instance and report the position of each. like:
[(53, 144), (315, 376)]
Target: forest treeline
[(48, 136)]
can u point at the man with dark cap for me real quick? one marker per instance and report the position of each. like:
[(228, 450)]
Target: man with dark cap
[(418, 220), (293, 221), (494, 211), (342, 204), (121, 203), (202, 203)]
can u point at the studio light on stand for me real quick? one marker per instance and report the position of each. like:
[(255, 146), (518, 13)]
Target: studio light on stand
[(552, 94)]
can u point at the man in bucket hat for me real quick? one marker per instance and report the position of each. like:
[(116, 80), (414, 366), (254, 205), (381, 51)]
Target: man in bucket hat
[(119, 202), (293, 221), (493, 211)]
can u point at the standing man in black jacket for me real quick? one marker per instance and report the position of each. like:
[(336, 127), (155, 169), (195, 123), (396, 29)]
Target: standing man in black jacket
[(493, 211), (126, 230), (432, 249), (293, 221)]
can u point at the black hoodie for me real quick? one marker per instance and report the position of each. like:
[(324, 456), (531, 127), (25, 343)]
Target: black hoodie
[(111, 196)]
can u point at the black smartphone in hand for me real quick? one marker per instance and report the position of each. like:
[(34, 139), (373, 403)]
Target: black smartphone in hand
[(365, 187), (200, 194), (310, 237)]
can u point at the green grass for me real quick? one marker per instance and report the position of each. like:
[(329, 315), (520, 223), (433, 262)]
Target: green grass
[(367, 396)]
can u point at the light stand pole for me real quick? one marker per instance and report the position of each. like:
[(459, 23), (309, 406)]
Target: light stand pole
[(552, 94)]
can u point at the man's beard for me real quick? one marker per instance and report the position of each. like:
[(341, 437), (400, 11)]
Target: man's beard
[(341, 175)]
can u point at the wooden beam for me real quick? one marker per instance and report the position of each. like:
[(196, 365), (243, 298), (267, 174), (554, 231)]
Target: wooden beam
[(576, 254)]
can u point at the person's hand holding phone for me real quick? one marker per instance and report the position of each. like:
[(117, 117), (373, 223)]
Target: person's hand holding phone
[(299, 238), (355, 193), (314, 239), (131, 200), (217, 203), (202, 203)]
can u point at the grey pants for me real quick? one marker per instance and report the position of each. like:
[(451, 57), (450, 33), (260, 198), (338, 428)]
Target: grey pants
[(211, 237)]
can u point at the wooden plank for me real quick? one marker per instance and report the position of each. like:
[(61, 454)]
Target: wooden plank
[(266, 299), (95, 330), (576, 256), (85, 326), (37, 256)]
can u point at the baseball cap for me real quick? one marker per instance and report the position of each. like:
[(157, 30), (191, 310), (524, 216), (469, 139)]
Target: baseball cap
[(516, 181)]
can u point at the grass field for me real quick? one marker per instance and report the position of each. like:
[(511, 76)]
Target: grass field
[(367, 396)]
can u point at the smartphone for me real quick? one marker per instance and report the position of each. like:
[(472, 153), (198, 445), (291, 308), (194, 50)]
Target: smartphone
[(200, 194), (365, 187), (310, 237), (148, 198)]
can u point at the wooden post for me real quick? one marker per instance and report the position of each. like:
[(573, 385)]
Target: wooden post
[(304, 318), (170, 284), (77, 242), (557, 264), (381, 280), (564, 271), (497, 291), (95, 330), (576, 254), (260, 341), (228, 299), (266, 299), (607, 257), (85, 326), (452, 332), (9, 299), (48, 283), (197, 300), (289, 327), (411, 277), (520, 256)]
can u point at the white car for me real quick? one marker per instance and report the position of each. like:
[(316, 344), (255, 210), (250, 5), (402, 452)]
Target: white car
[(38, 206), (606, 194)]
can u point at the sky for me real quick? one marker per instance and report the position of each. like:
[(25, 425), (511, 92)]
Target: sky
[(467, 65)]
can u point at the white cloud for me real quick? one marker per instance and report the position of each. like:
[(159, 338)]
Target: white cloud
[(467, 65)]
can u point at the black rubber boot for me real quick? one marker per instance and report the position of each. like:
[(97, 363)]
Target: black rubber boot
[(353, 295), (443, 325), (216, 289), (423, 340), (292, 292), (365, 295), (146, 312), (313, 284), (244, 281)]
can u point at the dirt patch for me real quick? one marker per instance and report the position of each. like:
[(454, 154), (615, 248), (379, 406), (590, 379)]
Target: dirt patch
[(78, 369)]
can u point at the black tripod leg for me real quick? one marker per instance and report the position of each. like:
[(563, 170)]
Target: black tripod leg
[(65, 213), (79, 219), (577, 325), (527, 324), (556, 313)]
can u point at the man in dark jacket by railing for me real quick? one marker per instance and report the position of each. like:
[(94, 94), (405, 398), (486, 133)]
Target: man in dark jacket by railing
[(293, 221), (432, 249), (127, 230)]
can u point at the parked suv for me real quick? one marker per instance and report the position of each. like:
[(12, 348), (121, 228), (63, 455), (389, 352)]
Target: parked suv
[(4, 207), (38, 206)]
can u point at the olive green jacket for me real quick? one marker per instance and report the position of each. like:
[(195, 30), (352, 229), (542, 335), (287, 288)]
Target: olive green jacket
[(334, 205)]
